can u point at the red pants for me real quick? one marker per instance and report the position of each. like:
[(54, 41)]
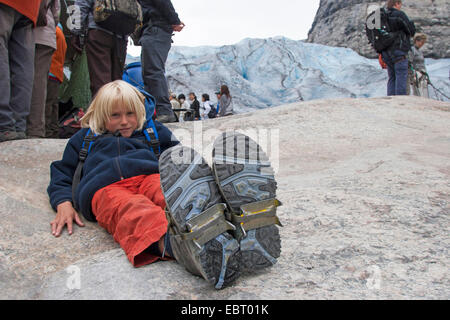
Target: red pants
[(132, 210)]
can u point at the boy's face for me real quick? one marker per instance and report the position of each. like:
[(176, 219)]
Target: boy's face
[(122, 120)]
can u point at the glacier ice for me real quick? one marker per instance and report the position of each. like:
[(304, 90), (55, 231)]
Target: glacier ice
[(269, 72)]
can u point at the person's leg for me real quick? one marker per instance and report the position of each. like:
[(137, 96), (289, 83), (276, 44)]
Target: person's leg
[(156, 45), (17, 69), (98, 51), (36, 118), (51, 109), (133, 219), (401, 77), (391, 74), (151, 188), (118, 56)]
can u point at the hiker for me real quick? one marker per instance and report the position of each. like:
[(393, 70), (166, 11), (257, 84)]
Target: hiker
[(184, 105), (126, 188), (55, 78), (160, 21), (105, 50), (418, 72), (17, 18), (175, 104), (396, 55), (205, 107), (119, 189), (194, 105), (226, 103)]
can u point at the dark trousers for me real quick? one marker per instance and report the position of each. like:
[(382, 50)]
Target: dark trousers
[(51, 109), (36, 118), (397, 64), (106, 55), (156, 44), (16, 69)]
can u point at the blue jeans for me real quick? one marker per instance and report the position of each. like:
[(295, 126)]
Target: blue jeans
[(397, 63)]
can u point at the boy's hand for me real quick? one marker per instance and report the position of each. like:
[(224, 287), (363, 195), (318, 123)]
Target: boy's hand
[(66, 214)]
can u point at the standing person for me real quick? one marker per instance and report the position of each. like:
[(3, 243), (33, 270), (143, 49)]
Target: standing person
[(105, 51), (205, 107), (160, 21), (45, 40), (226, 103), (17, 18), (396, 56), (55, 78), (195, 105), (418, 74), (218, 102), (175, 104), (184, 105)]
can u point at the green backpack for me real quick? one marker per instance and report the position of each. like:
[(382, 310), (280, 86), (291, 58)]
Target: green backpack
[(121, 17)]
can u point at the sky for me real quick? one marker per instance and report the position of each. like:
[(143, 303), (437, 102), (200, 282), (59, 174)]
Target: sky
[(224, 22)]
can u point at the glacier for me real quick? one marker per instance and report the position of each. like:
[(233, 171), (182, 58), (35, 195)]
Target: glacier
[(270, 72)]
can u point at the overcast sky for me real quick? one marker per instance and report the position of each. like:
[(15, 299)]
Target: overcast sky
[(222, 22)]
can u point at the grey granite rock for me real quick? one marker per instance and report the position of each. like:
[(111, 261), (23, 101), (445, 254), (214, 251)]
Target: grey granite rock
[(365, 187), (341, 23)]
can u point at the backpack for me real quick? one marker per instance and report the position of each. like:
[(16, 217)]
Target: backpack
[(213, 112), (378, 30), (121, 17), (70, 123)]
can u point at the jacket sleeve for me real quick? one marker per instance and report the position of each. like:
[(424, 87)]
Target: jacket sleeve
[(167, 10), (62, 171)]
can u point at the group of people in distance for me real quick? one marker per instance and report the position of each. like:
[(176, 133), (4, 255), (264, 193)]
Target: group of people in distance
[(191, 109)]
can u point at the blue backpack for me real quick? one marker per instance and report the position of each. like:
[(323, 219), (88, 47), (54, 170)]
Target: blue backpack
[(133, 75)]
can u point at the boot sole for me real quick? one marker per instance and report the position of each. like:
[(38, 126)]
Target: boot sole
[(189, 189), (244, 175)]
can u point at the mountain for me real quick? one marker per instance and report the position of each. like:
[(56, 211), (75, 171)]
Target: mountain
[(264, 73), (341, 23)]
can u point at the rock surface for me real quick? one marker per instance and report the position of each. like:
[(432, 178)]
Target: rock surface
[(341, 23), (365, 186)]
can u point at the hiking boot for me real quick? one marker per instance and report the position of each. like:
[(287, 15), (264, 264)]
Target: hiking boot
[(199, 232), (8, 136), (21, 135), (246, 181), (166, 118)]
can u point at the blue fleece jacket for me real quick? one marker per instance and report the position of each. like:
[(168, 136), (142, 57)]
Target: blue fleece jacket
[(111, 159)]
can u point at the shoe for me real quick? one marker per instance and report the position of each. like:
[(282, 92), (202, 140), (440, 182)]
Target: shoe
[(246, 181), (166, 118), (8, 136), (199, 232)]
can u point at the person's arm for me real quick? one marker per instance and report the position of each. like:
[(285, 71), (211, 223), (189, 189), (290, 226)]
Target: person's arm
[(56, 10), (168, 11), (60, 187)]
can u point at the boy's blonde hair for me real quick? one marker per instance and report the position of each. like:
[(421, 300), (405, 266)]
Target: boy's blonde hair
[(111, 94)]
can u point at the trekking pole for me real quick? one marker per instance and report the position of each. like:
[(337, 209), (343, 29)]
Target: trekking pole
[(436, 89)]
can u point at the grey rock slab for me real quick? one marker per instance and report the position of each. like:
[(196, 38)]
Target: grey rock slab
[(365, 187)]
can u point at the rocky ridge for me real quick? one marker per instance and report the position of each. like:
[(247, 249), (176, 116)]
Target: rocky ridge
[(341, 23)]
